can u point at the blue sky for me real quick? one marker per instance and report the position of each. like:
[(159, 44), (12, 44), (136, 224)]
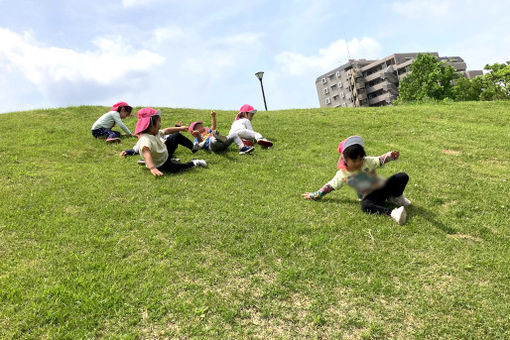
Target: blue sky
[(203, 54)]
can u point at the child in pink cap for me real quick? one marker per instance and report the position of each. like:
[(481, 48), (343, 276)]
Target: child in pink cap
[(242, 127), (358, 171), (102, 128), (210, 139), (156, 153)]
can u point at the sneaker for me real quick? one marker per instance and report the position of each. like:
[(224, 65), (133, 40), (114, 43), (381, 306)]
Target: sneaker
[(246, 149), (247, 142), (196, 147), (219, 136), (112, 140), (265, 143), (399, 215), (140, 162), (175, 160), (400, 201), (199, 162)]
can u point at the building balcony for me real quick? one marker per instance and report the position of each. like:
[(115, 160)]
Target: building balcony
[(385, 97)]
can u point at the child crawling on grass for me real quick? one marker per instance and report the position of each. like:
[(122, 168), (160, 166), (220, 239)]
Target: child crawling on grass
[(102, 127), (210, 139), (156, 153), (358, 171)]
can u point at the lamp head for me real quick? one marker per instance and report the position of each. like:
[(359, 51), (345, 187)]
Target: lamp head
[(259, 75)]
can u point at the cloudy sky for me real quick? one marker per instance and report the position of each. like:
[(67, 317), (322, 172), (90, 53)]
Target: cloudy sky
[(204, 53)]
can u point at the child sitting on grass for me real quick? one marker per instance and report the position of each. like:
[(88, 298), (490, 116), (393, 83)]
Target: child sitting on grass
[(156, 153), (242, 127), (102, 128), (210, 139), (358, 171)]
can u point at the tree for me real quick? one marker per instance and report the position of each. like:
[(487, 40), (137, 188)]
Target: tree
[(429, 79), (496, 83), (466, 89)]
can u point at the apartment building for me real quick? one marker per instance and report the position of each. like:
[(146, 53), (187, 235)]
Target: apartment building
[(361, 82)]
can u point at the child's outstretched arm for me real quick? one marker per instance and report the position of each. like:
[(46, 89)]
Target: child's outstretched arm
[(213, 120), (149, 163), (388, 156), (317, 195), (174, 129)]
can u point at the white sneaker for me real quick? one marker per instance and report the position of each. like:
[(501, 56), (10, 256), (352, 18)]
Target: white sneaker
[(399, 215), (219, 136), (199, 162), (196, 147), (400, 201)]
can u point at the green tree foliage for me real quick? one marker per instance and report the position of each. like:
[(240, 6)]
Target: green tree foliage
[(496, 83), (429, 79), (467, 89)]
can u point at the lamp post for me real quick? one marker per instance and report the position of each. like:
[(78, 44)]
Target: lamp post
[(259, 75)]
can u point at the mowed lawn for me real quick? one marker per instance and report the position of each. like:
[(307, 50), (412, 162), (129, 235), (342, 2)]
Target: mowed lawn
[(93, 246)]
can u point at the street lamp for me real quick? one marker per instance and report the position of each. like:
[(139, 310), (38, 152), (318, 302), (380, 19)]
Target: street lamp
[(259, 75)]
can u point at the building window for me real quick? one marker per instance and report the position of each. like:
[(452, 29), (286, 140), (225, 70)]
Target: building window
[(340, 84), (325, 90), (335, 97), (328, 101), (333, 87), (338, 74), (324, 80), (342, 95)]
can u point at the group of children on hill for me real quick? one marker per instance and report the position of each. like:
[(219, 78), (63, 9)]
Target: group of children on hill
[(157, 147)]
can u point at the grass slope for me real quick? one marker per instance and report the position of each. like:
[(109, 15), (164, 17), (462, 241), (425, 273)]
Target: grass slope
[(91, 245)]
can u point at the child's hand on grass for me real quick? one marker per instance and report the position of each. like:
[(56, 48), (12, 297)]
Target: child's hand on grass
[(123, 153), (177, 124), (183, 128), (310, 196), (156, 172)]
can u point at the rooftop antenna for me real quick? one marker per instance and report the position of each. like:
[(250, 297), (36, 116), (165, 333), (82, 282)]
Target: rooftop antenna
[(347, 46)]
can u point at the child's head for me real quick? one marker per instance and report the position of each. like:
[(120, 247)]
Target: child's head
[(196, 126), (246, 111), (149, 121), (122, 108), (352, 153)]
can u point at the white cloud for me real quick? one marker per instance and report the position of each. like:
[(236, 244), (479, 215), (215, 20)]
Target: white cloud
[(113, 60), (422, 8), (133, 3), (333, 56)]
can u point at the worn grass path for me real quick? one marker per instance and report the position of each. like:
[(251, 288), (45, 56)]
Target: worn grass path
[(92, 246)]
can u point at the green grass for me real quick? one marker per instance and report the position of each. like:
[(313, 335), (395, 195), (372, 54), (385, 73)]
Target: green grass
[(93, 246)]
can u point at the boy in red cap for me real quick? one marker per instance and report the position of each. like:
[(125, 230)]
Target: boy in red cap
[(358, 171), (102, 128), (210, 139)]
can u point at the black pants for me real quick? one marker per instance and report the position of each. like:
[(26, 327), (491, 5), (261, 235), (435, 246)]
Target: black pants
[(172, 142), (373, 203)]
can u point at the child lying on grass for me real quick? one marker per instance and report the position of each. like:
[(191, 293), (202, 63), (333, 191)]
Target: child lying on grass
[(156, 153), (210, 139), (242, 127), (358, 171)]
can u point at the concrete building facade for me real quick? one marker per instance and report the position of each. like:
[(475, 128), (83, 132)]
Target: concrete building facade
[(361, 82)]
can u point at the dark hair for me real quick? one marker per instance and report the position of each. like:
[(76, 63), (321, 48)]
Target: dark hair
[(151, 123), (127, 108), (354, 152)]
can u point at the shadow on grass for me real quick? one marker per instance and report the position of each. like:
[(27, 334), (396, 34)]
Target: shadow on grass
[(430, 217)]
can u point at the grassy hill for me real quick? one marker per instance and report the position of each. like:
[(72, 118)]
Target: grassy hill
[(92, 245)]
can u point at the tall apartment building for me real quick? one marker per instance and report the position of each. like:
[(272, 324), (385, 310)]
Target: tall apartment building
[(362, 82)]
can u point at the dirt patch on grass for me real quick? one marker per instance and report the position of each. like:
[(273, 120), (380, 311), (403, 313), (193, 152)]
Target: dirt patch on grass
[(451, 152), (464, 237)]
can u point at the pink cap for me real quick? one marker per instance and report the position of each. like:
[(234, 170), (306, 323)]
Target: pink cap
[(352, 140), (144, 118), (245, 109), (119, 104), (192, 125)]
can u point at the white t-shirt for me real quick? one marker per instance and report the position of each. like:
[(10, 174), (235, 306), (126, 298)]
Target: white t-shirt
[(157, 147), (240, 124)]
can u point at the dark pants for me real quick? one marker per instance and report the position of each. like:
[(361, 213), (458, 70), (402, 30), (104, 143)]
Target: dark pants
[(373, 203), (104, 132), (172, 142)]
